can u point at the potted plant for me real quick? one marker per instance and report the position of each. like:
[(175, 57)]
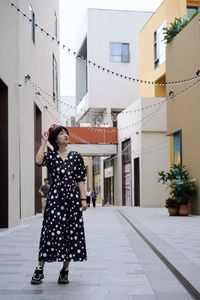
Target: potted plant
[(172, 205), (182, 189), (175, 27)]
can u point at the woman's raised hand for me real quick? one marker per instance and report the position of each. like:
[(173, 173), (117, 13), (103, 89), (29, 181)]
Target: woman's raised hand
[(45, 136)]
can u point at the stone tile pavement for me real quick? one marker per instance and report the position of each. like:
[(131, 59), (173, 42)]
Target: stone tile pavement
[(120, 265), (177, 238)]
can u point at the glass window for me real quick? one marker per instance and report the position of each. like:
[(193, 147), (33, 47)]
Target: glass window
[(177, 148), (119, 52), (159, 46), (55, 25), (156, 58), (55, 80), (32, 23), (191, 10)]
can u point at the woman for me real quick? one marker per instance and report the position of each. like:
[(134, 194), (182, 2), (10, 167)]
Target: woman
[(62, 235)]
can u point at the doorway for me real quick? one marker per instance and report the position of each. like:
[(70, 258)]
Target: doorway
[(38, 170), (4, 155), (137, 181), (126, 173)]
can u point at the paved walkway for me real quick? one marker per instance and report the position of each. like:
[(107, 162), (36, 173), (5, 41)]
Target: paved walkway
[(177, 238), (120, 265)]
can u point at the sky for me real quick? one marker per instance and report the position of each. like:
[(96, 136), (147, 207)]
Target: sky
[(71, 16)]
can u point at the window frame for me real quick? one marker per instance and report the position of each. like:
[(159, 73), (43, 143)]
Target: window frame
[(121, 55), (196, 8), (32, 23), (55, 79), (159, 47), (179, 132), (55, 24)]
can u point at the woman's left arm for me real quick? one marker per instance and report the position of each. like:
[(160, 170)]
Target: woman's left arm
[(81, 185)]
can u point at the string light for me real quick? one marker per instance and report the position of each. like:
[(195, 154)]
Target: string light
[(152, 115), (121, 76), (148, 119), (124, 152), (171, 96), (80, 139), (29, 79)]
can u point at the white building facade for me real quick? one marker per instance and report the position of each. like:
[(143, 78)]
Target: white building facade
[(108, 38), (143, 152), (26, 110)]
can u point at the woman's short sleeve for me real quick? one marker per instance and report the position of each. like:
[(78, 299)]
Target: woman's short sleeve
[(46, 160), (80, 169)]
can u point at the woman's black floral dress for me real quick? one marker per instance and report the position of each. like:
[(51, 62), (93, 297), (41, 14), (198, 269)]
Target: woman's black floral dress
[(62, 235)]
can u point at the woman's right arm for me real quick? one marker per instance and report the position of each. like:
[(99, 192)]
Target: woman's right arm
[(40, 153)]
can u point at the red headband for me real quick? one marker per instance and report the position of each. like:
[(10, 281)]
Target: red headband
[(52, 128)]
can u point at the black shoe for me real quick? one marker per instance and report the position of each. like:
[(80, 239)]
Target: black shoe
[(63, 277), (37, 276)]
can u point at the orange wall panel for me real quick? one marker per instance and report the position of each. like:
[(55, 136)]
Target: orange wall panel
[(93, 135)]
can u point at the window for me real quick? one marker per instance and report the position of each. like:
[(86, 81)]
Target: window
[(126, 151), (114, 118), (156, 58), (119, 52), (177, 148), (73, 121), (159, 46), (96, 165), (55, 25), (55, 80), (191, 10), (32, 23)]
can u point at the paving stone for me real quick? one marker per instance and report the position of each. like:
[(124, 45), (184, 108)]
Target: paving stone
[(120, 265)]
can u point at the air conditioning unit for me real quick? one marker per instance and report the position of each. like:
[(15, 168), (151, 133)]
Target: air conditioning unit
[(85, 125)]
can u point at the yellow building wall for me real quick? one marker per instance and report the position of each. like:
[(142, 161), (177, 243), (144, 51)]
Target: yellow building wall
[(183, 111), (167, 11)]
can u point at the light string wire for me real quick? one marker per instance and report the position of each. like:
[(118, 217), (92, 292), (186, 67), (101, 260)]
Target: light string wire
[(80, 139), (146, 150), (40, 89), (170, 97), (73, 134), (150, 116), (122, 76)]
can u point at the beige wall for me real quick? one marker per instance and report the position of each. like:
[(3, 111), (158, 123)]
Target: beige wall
[(154, 158), (9, 66), (97, 183), (183, 60), (37, 61), (88, 164), (19, 57)]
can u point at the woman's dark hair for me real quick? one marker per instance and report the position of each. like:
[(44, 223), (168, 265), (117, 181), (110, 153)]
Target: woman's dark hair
[(54, 130)]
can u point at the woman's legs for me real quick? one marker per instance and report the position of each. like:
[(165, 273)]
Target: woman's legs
[(38, 275), (65, 264), (63, 277), (41, 263)]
